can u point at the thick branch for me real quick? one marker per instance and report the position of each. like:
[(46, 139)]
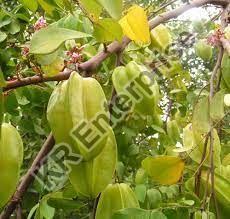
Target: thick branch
[(114, 47), (28, 178)]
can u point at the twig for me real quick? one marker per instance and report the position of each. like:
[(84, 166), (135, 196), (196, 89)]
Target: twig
[(95, 206), (168, 111), (198, 173), (111, 103), (163, 6), (206, 190), (19, 211)]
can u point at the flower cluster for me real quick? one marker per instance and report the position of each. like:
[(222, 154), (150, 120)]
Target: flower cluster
[(214, 39), (25, 51), (74, 55), (40, 23)]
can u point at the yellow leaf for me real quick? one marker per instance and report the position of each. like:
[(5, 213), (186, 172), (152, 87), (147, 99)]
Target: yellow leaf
[(164, 169), (135, 25)]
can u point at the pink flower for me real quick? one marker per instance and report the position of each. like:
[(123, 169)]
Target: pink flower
[(74, 55), (40, 23), (214, 38)]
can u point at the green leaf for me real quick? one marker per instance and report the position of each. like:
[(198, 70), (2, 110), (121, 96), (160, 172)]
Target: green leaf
[(32, 211), (107, 30), (71, 22), (217, 106), (137, 213), (188, 139), (49, 39), (201, 118), (30, 4), (141, 176), (48, 58), (164, 169), (114, 8), (5, 21), (223, 171), (3, 36), (45, 210), (64, 4), (131, 213), (225, 69), (154, 198), (140, 191), (196, 153), (187, 202), (158, 129), (14, 27), (173, 131), (180, 212), (49, 8), (11, 104), (2, 79), (60, 203), (92, 8), (67, 4), (226, 160), (157, 215)]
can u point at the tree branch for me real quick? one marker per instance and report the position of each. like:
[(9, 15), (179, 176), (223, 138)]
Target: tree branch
[(114, 47), (199, 170)]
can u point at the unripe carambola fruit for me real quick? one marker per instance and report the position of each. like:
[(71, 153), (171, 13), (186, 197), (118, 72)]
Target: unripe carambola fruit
[(203, 214), (173, 131), (141, 176), (142, 91), (221, 187), (77, 115), (115, 197), (154, 198), (203, 50), (89, 178), (11, 156), (161, 37)]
